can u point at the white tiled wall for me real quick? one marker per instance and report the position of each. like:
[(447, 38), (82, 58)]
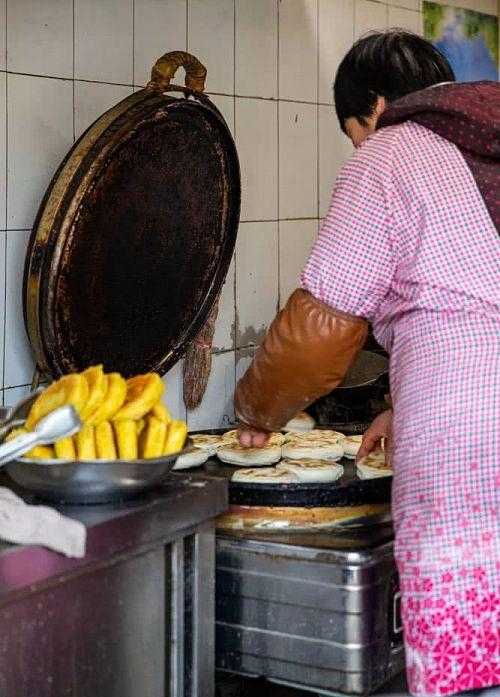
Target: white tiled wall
[(270, 65)]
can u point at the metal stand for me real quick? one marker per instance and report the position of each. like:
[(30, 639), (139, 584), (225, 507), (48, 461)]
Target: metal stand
[(192, 647)]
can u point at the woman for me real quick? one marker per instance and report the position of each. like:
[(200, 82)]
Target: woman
[(411, 244)]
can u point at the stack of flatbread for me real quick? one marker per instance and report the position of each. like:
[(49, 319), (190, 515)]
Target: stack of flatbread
[(315, 444), (205, 446), (291, 472), (373, 465)]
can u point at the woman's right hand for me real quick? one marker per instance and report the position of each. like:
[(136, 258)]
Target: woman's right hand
[(380, 429)]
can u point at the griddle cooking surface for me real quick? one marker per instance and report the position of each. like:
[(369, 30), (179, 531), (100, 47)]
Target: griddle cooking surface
[(349, 490)]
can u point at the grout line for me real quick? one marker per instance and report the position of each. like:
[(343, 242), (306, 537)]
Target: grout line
[(16, 229), (278, 271), (6, 211), (4, 308), (234, 328), (133, 41), (74, 90), (318, 186), (187, 25), (279, 220), (6, 53)]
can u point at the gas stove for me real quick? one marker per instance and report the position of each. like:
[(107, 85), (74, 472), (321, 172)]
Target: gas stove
[(315, 611)]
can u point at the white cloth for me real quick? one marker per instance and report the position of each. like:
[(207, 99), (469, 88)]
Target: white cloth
[(39, 525)]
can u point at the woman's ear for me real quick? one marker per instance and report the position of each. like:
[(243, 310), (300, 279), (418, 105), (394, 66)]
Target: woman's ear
[(380, 106)]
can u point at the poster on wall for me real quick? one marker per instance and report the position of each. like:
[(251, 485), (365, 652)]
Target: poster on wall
[(468, 39)]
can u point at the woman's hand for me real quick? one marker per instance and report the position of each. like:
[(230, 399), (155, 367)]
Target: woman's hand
[(381, 428), (251, 438)]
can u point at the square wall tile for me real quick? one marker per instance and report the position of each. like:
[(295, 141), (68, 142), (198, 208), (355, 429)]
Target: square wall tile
[(369, 16), (296, 241), (257, 141), (3, 241), (298, 170), (174, 394), (298, 49), (335, 148), (3, 35), (3, 150), (14, 395), (408, 4), (336, 35), (211, 39), (400, 18), (19, 364), (216, 409), (256, 48), (226, 107), (92, 99), (225, 325), (40, 37), (256, 281), (40, 132), (159, 27), (104, 40)]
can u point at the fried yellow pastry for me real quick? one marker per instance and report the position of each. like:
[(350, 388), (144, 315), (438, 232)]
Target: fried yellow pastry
[(143, 392), (126, 439), (65, 449), (15, 433), (161, 412), (70, 389), (116, 391), (176, 437), (41, 452), (97, 383), (153, 438), (140, 426), (85, 443), (105, 441)]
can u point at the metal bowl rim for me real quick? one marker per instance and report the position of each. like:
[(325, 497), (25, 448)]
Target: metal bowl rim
[(164, 459)]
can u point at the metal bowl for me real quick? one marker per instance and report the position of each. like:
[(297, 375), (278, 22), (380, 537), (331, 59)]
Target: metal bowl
[(92, 481)]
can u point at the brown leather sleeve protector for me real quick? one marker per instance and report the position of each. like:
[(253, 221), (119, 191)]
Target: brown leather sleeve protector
[(306, 353)]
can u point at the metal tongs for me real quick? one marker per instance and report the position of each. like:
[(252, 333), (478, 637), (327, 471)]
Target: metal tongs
[(61, 423)]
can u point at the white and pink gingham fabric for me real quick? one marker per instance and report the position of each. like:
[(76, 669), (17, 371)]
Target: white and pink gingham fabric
[(408, 243)]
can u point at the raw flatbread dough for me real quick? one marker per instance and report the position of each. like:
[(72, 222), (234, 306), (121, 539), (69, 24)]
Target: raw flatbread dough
[(300, 423), (312, 470), (195, 459), (264, 475), (373, 465), (206, 441), (313, 450), (235, 454), (231, 437), (351, 446), (315, 435)]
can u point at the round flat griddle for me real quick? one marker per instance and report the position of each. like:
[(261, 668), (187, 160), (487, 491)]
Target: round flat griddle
[(136, 232), (349, 490)]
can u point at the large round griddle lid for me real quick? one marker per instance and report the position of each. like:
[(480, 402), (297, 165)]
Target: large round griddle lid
[(136, 232)]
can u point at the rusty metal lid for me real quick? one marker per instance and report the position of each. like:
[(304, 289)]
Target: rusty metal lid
[(135, 234)]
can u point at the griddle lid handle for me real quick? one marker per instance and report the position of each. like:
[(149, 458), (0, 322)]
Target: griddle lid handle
[(165, 68)]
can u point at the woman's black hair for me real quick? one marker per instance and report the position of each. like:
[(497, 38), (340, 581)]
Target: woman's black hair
[(386, 64)]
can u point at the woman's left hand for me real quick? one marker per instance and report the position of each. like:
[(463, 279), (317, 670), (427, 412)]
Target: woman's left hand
[(380, 430)]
